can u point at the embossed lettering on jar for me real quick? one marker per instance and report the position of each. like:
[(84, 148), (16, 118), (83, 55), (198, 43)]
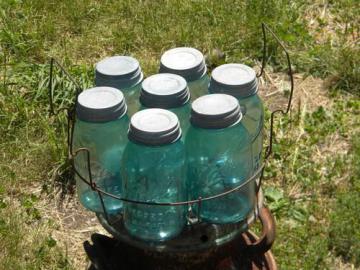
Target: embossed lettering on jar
[(154, 171), (219, 159), (101, 127)]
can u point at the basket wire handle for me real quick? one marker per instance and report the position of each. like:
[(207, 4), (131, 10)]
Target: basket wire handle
[(70, 129), (269, 148), (267, 237), (265, 27), (70, 110), (53, 63), (268, 233)]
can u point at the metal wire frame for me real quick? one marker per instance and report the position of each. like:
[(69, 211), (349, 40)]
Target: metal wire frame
[(70, 111), (290, 73), (54, 63), (268, 150), (258, 174)]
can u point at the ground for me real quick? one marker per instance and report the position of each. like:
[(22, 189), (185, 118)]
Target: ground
[(312, 183)]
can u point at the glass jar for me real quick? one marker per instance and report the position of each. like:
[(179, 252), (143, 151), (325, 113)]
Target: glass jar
[(167, 91), (101, 127), (189, 63), (219, 159), (240, 82), (154, 170), (123, 73)]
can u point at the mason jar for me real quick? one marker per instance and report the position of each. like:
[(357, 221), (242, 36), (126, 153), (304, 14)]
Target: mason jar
[(154, 171), (219, 159), (190, 64), (123, 73), (240, 82), (101, 127), (167, 91)]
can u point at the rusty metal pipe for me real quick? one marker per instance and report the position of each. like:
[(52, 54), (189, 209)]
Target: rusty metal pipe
[(267, 238)]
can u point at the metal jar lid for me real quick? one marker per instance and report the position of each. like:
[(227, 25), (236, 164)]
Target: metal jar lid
[(237, 80), (184, 61), (118, 71), (100, 104), (164, 91), (215, 111), (154, 127)]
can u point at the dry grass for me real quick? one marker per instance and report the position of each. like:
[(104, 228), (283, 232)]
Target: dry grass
[(73, 224), (309, 92), (324, 23)]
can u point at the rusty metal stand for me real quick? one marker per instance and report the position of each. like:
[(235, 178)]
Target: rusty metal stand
[(245, 252)]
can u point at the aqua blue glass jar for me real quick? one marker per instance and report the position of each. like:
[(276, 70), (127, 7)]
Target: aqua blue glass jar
[(123, 73), (167, 91), (154, 170), (240, 82), (189, 63), (101, 127), (219, 159)]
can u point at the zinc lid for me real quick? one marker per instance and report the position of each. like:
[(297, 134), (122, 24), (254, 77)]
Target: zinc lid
[(215, 111), (237, 80), (164, 90), (154, 127), (118, 71), (100, 104), (184, 61)]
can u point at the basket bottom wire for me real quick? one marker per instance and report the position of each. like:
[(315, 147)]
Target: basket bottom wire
[(195, 237)]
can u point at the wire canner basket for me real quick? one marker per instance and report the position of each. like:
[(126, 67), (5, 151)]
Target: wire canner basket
[(198, 237)]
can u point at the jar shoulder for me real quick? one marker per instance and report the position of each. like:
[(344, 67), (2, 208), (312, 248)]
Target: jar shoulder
[(252, 101), (88, 134), (152, 154), (203, 79), (119, 123), (238, 131), (236, 137)]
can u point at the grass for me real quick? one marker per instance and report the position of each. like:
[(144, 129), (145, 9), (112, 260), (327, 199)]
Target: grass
[(307, 187), (344, 235), (25, 246), (311, 184)]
